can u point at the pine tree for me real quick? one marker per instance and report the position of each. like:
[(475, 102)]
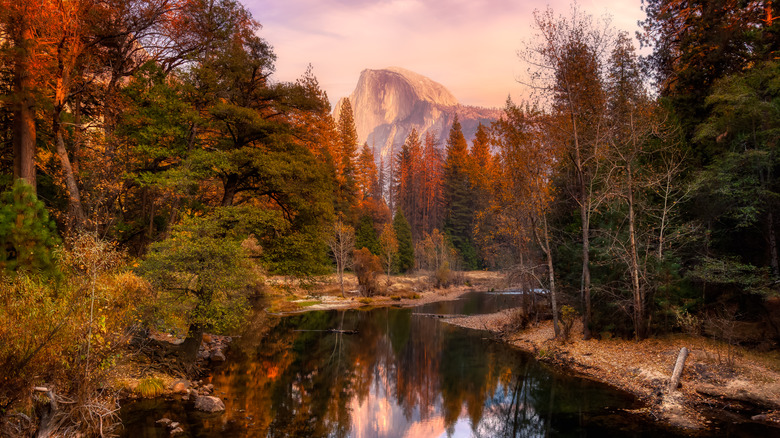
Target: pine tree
[(27, 235), (405, 259), (347, 145), (458, 197), (366, 237), (366, 175), (407, 183), (430, 190)]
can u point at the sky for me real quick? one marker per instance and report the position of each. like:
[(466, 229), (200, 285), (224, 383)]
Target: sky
[(469, 46)]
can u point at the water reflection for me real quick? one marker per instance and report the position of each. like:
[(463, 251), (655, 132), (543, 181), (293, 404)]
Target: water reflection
[(400, 376)]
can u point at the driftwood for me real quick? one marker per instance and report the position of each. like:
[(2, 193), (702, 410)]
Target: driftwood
[(344, 332), (436, 315), (674, 382)]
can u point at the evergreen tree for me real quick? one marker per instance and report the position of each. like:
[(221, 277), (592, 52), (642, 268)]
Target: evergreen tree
[(366, 175), (408, 182), (430, 190), (27, 235), (458, 197), (405, 258), (366, 237), (347, 144)]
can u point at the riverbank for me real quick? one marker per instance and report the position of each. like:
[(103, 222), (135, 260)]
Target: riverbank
[(287, 296), (726, 382), (282, 296)]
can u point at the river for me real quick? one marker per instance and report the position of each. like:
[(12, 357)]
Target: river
[(401, 374)]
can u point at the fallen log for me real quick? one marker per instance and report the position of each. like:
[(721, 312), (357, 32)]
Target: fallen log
[(674, 382), (344, 332), (737, 394), (436, 315)]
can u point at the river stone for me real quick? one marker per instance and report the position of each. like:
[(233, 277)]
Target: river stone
[(177, 431), (180, 386), (208, 403), (164, 421), (217, 356)]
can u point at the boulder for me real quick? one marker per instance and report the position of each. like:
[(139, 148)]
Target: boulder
[(181, 386), (208, 403), (217, 356)]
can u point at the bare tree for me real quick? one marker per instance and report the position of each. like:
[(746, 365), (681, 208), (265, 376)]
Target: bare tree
[(566, 70), (342, 243)]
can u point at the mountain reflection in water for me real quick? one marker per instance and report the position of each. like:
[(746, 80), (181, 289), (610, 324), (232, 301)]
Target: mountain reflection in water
[(402, 375)]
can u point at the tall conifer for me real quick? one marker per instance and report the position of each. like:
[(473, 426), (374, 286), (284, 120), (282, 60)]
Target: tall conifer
[(458, 197)]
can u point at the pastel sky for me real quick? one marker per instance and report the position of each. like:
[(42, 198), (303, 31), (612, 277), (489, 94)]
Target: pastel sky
[(469, 46)]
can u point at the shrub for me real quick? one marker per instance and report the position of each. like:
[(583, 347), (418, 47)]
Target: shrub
[(568, 316), (443, 276), (367, 267)]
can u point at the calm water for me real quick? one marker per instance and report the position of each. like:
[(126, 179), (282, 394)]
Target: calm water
[(402, 375)]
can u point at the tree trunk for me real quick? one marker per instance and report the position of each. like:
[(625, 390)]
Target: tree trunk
[(639, 305), (584, 202), (46, 409), (189, 348), (74, 197), (773, 246), (231, 188), (585, 286), (551, 275), (545, 245), (24, 134)]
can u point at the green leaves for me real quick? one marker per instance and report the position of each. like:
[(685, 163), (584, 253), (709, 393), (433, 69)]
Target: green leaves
[(203, 270), (27, 235)]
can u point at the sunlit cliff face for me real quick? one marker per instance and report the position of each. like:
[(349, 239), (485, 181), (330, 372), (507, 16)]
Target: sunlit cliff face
[(389, 103)]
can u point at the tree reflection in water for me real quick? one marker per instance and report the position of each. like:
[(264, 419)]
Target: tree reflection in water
[(400, 376)]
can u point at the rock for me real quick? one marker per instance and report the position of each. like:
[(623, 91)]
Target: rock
[(177, 431), (180, 386), (164, 421), (173, 425), (388, 103), (209, 387), (203, 354), (208, 403), (760, 417), (217, 356)]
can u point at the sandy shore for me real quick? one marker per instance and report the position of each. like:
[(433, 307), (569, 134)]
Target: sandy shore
[(750, 386)]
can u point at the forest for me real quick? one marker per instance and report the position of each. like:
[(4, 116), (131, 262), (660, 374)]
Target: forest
[(153, 174)]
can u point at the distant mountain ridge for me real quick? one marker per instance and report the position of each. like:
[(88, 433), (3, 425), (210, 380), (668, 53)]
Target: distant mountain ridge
[(388, 103)]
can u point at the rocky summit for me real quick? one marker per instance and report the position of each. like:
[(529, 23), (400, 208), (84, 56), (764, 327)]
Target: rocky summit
[(388, 103)]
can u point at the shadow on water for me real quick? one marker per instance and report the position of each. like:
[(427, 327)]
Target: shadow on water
[(400, 376)]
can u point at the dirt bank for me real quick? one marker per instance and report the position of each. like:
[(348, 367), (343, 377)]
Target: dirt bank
[(400, 290), (717, 377)]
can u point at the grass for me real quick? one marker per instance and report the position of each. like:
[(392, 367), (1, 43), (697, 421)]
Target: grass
[(150, 387)]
